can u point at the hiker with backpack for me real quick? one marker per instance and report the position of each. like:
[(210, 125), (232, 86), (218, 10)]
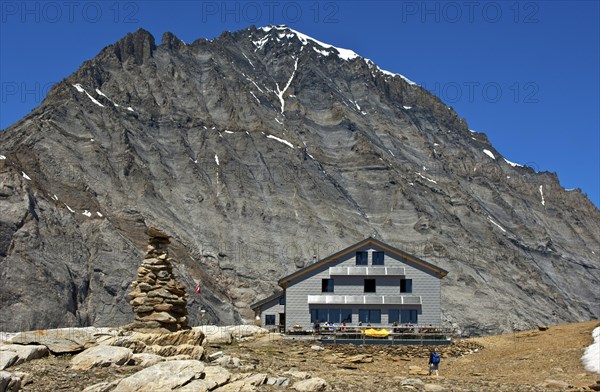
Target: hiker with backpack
[(434, 361)]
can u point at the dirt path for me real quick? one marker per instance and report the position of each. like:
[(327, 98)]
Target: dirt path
[(511, 362), (530, 357)]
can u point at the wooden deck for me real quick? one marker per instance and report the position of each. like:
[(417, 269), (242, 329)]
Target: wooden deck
[(418, 335)]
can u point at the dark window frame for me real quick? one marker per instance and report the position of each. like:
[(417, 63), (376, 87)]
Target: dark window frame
[(378, 258), (409, 316), (370, 285), (269, 319), (406, 286), (327, 285), (372, 316), (362, 258), (332, 315)]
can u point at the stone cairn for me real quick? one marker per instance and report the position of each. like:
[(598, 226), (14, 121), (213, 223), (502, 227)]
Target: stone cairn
[(158, 300)]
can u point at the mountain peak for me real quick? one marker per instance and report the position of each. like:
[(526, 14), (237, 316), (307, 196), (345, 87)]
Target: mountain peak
[(138, 46), (171, 41), (279, 33), (282, 32)]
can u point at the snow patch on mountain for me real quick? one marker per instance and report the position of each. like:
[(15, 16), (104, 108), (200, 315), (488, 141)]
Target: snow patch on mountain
[(426, 178), (513, 164), (281, 92), (286, 32), (489, 153), (497, 225), (542, 194), (281, 140), (104, 95), (325, 50), (248, 59), (320, 51)]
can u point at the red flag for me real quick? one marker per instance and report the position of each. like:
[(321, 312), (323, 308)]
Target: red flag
[(197, 288)]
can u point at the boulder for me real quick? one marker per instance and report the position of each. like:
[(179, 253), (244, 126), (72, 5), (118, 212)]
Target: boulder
[(195, 352), (278, 381), (15, 354), (101, 356), (185, 342), (26, 352), (310, 385), (189, 336), (415, 382), (246, 331), (106, 386), (256, 379), (26, 378), (236, 386), (146, 359), (298, 374), (163, 376), (58, 341), (179, 357), (217, 374), (223, 360), (198, 386), (7, 359), (9, 382), (215, 335)]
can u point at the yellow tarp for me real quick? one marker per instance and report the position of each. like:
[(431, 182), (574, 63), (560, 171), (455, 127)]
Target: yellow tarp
[(382, 333)]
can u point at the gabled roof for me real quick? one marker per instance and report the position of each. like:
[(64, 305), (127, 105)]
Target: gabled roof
[(266, 300), (352, 248)]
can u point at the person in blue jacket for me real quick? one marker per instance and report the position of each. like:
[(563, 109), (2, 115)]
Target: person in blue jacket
[(434, 362)]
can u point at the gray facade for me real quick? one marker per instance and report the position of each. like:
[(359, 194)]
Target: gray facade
[(369, 282), (271, 311)]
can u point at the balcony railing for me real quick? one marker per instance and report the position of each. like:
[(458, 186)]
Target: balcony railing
[(366, 271), (364, 299)]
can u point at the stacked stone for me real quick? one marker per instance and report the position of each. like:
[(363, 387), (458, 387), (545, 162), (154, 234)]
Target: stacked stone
[(158, 300)]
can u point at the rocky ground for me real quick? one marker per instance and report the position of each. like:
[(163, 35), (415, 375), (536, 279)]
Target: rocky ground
[(526, 361)]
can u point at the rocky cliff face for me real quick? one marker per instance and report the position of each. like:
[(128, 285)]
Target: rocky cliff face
[(256, 151)]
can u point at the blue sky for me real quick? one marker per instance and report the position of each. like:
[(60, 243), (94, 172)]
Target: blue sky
[(525, 73)]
